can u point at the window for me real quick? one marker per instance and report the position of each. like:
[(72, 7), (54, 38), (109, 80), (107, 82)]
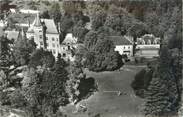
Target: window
[(32, 37), (53, 51), (57, 45), (40, 36), (53, 39), (46, 38), (53, 45), (128, 47), (64, 55), (47, 44), (124, 47), (41, 43)]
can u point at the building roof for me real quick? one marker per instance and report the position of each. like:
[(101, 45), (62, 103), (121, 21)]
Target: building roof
[(69, 39), (120, 40), (50, 24), (51, 27), (12, 34), (37, 21)]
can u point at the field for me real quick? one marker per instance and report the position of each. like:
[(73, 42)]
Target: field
[(106, 101)]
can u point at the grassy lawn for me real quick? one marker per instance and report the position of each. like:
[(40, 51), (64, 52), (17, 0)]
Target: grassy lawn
[(108, 103)]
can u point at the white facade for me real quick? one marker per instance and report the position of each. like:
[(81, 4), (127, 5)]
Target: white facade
[(124, 49), (123, 45), (147, 46), (29, 11), (53, 43)]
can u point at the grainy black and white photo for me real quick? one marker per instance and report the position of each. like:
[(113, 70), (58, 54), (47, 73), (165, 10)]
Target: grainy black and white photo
[(91, 58)]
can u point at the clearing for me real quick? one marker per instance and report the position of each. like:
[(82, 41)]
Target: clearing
[(106, 101)]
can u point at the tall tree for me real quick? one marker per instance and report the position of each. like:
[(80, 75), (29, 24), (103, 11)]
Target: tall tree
[(55, 12), (162, 93), (5, 52), (42, 58), (76, 74), (22, 49), (79, 31), (90, 39)]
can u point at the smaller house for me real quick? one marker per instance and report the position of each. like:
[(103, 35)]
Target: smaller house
[(123, 45), (147, 46), (68, 47), (12, 35)]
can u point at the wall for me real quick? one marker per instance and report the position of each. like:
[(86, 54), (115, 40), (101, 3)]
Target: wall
[(122, 48)]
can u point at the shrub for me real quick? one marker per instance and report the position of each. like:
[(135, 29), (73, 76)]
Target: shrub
[(17, 99), (142, 81), (4, 98)]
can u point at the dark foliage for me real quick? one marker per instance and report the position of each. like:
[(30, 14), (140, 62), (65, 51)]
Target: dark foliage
[(87, 87), (162, 93), (142, 81), (41, 57), (22, 50), (5, 53)]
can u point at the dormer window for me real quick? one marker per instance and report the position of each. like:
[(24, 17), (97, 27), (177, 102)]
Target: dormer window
[(53, 45), (155, 42), (143, 42), (149, 42), (41, 43)]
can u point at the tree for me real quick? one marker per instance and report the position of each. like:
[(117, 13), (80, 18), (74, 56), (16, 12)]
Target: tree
[(66, 23), (22, 50), (55, 12), (105, 30), (115, 19), (5, 53), (104, 46), (42, 58), (113, 61), (44, 90), (72, 7), (137, 29), (90, 39), (162, 92), (45, 15), (98, 19), (79, 31), (75, 76)]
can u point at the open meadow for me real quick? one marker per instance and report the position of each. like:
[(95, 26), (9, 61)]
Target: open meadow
[(106, 101)]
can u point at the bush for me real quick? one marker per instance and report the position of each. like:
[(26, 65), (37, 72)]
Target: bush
[(142, 81), (17, 99), (103, 62), (4, 98)]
